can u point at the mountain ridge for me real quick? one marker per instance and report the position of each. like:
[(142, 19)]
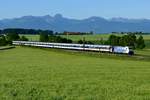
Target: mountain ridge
[(59, 23)]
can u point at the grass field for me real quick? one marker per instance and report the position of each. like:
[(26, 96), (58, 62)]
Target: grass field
[(33, 37), (73, 37), (87, 37), (39, 74)]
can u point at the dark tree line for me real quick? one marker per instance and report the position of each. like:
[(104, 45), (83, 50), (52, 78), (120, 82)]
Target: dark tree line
[(53, 38), (25, 31), (126, 40), (137, 33), (85, 42), (76, 33), (12, 34)]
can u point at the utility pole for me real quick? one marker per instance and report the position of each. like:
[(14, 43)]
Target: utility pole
[(67, 37), (83, 43)]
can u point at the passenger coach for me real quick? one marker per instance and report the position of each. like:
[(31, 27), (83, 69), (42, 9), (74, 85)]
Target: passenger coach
[(85, 47)]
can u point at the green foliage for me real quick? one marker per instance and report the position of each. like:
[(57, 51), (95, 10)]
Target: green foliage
[(32, 37), (23, 38), (125, 40), (131, 40), (44, 37), (140, 42), (80, 41), (53, 38), (25, 31), (58, 39), (75, 38), (3, 41), (75, 33), (96, 38), (12, 36), (113, 40), (84, 42)]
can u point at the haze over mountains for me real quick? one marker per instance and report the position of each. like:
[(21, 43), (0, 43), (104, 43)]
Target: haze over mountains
[(59, 23)]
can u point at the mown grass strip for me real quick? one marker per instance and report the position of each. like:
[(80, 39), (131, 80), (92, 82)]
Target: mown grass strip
[(6, 47)]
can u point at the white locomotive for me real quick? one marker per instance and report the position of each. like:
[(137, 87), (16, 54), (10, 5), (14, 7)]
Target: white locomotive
[(85, 47)]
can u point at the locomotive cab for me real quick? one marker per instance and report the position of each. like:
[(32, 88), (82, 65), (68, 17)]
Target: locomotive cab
[(131, 52)]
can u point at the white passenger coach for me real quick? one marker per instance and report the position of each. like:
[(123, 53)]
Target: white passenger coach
[(84, 47)]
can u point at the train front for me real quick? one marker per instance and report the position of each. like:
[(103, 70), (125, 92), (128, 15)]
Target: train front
[(123, 50)]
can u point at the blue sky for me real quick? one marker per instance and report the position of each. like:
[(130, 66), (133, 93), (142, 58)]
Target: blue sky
[(78, 9)]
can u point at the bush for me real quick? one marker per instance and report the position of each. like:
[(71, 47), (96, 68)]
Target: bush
[(44, 37), (23, 38), (12, 36), (140, 43), (3, 41), (59, 39)]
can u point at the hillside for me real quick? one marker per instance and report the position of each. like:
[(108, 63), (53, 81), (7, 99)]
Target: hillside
[(60, 24)]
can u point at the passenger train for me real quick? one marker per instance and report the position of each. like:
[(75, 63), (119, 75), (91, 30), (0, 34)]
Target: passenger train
[(84, 47)]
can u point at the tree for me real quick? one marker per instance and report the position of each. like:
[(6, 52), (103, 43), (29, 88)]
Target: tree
[(44, 37), (23, 38), (88, 42), (131, 40), (58, 39), (69, 41), (25, 31), (80, 42), (12, 37), (140, 42), (122, 41), (126, 40), (113, 40), (3, 41)]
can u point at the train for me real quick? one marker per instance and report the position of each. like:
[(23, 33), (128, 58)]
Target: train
[(83, 47)]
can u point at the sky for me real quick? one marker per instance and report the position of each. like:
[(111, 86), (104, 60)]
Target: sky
[(78, 9)]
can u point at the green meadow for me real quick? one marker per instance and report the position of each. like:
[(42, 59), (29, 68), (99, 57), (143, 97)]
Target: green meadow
[(46, 74), (74, 37), (93, 38), (50, 74)]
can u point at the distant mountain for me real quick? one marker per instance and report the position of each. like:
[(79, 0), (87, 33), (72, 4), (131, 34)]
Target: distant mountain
[(60, 24)]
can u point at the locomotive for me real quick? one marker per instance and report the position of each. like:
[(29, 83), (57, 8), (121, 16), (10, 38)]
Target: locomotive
[(84, 47)]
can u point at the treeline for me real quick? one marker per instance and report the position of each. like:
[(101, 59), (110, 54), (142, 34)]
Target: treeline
[(25, 31), (6, 39), (136, 33), (76, 33), (126, 40), (53, 38), (37, 32)]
